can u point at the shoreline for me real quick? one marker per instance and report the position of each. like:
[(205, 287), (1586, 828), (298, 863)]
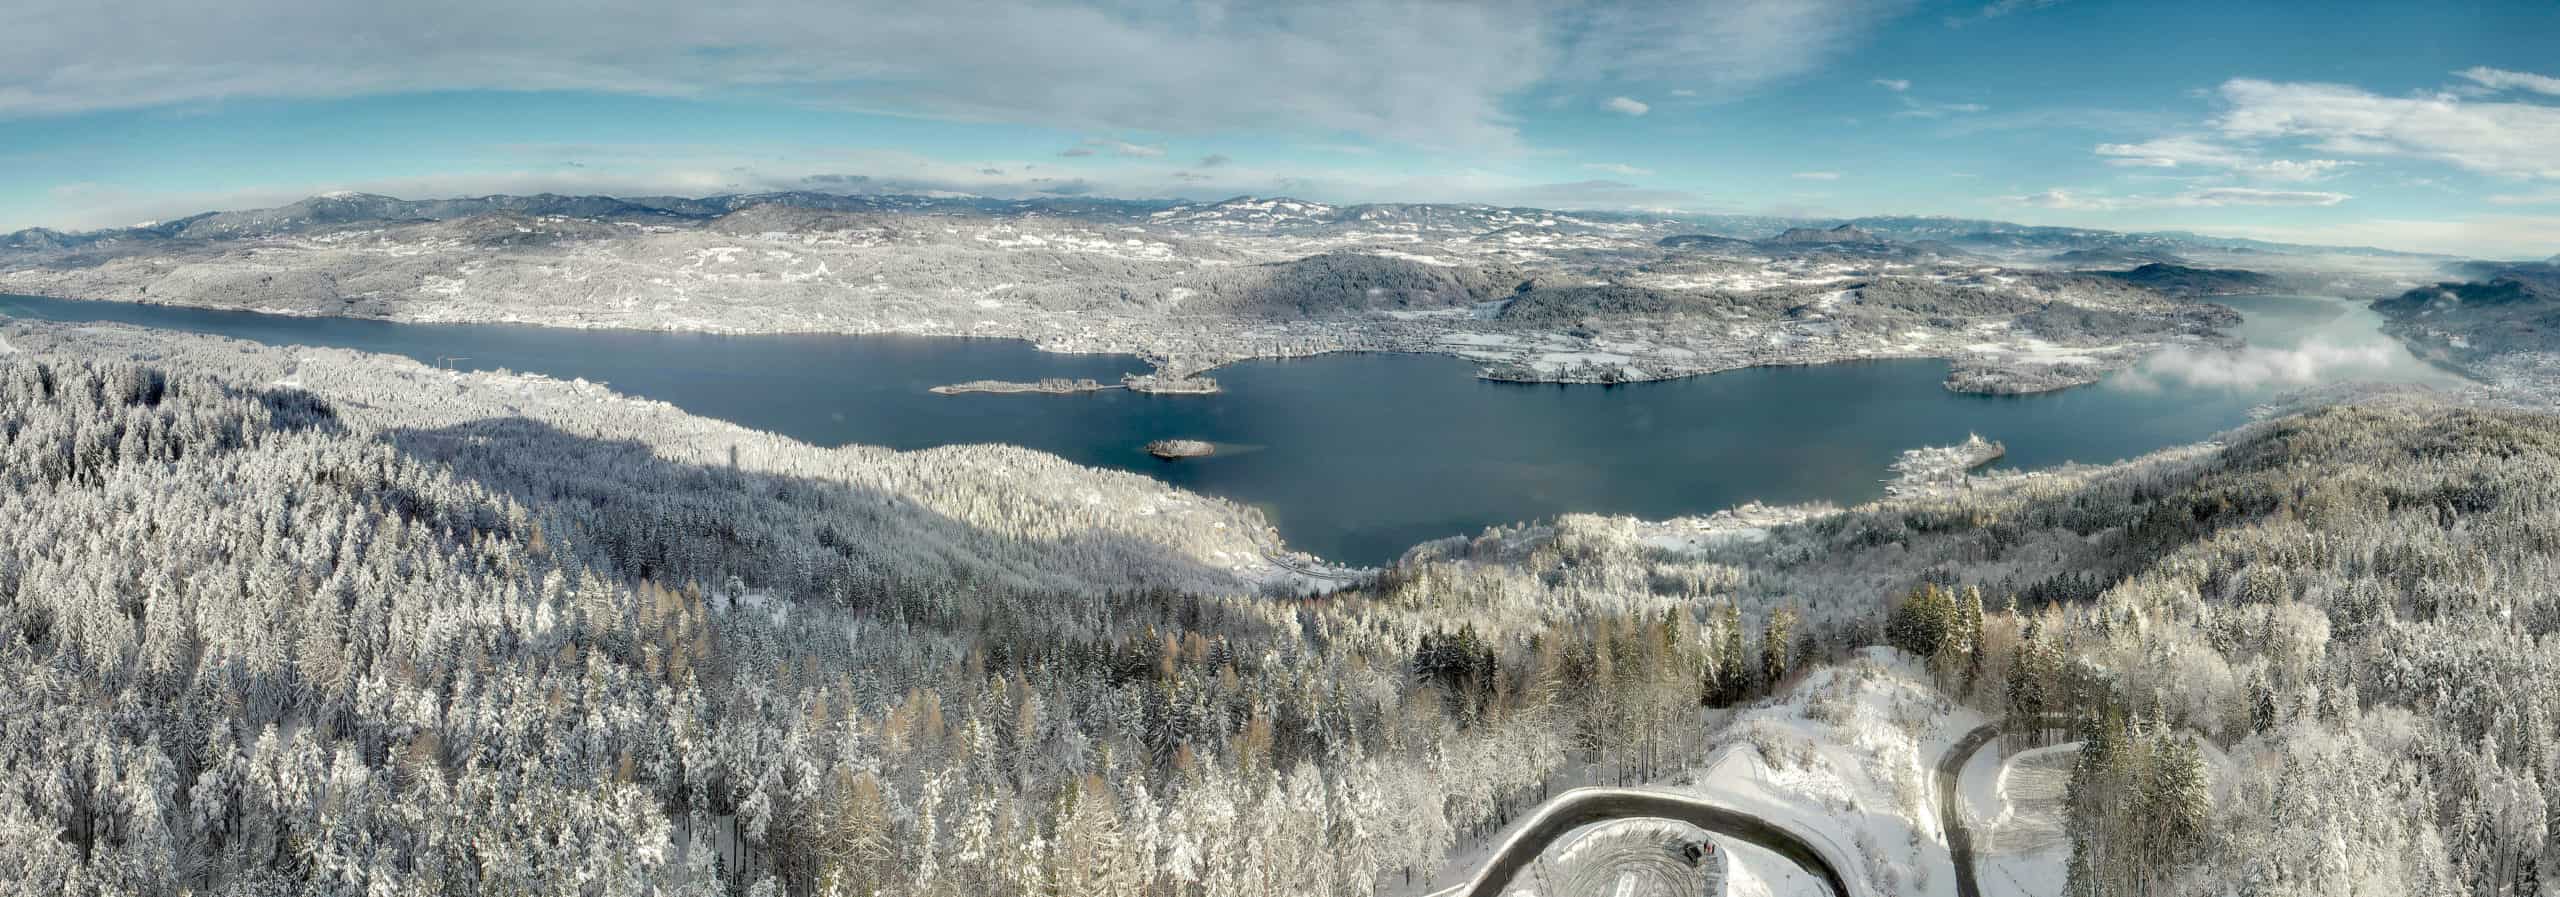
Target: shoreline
[(1175, 372)]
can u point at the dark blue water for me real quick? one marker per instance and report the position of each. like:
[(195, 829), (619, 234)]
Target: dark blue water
[(1357, 457)]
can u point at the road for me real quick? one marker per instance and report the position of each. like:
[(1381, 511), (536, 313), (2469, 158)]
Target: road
[(1950, 796), (1584, 806)]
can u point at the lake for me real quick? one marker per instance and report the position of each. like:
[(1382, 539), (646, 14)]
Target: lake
[(1357, 457)]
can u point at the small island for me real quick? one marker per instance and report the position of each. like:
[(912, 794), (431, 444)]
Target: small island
[(1170, 383), (1050, 385), (1158, 384), (1175, 449)]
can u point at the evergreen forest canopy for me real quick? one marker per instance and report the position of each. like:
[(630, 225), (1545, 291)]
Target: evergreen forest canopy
[(404, 631)]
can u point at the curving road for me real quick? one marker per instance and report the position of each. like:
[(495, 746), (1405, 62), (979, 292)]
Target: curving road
[(1584, 806), (1960, 840)]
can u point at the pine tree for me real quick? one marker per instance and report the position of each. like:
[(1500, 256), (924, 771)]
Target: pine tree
[(1776, 641)]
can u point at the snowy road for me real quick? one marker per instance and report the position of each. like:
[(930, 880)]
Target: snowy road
[(1584, 806), (1959, 840)]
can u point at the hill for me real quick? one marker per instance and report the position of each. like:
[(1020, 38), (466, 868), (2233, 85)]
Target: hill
[(2182, 280)]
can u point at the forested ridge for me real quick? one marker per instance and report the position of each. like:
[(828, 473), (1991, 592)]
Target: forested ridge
[(415, 632)]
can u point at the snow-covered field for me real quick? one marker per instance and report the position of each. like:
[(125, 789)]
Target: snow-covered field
[(1847, 758), (2014, 805)]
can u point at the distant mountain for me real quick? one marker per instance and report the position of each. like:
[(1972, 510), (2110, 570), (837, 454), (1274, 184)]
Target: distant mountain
[(1810, 236), (2514, 308), (1253, 211), (2533, 283), (1981, 234), (2117, 257), (1907, 234), (1702, 241), (2180, 280)]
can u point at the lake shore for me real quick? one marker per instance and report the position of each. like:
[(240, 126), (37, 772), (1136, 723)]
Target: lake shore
[(1987, 355), (1356, 457)]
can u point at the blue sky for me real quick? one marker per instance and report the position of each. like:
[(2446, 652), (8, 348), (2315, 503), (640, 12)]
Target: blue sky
[(2401, 125)]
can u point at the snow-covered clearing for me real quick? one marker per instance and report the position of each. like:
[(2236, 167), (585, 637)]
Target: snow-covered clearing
[(2014, 803), (1847, 759), (1626, 858)]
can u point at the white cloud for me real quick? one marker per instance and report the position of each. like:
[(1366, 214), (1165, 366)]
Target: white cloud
[(1912, 108), (1428, 72), (1818, 175), (2205, 197), (2192, 151), (1683, 92), (1627, 106), (2253, 196), (1121, 148), (1897, 85), (1433, 73), (2254, 367), (2294, 171), (1999, 8), (2502, 79), (1618, 168), (2499, 138), (2171, 152), (1719, 49), (2058, 198), (2545, 197)]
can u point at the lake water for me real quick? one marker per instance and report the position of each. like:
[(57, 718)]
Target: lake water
[(1357, 457)]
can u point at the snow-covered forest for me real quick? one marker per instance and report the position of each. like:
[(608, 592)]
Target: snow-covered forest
[(294, 621)]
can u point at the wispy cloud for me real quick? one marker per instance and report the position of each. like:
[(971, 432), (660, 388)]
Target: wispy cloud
[(1618, 168), (1817, 175), (1426, 73), (2193, 151), (2171, 152), (2499, 138), (1718, 49), (1214, 160), (2502, 79), (1917, 108), (1897, 85), (1997, 9), (2295, 171), (1627, 106), (2206, 197), (1121, 148), (2541, 198)]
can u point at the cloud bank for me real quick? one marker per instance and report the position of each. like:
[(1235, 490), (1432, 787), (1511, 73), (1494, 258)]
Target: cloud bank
[(2256, 367)]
